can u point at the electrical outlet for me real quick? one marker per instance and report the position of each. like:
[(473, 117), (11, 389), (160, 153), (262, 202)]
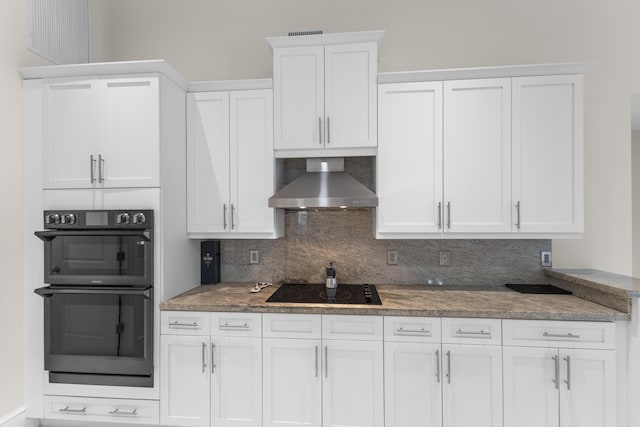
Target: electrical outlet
[(254, 257), (545, 258), (392, 257), (445, 258)]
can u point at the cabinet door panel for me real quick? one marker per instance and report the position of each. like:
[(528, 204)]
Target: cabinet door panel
[(477, 155), (587, 388), (252, 166), (530, 394), (184, 377), (130, 145), (409, 159), (413, 385), (350, 95), (70, 132), (298, 83), (236, 382), (208, 162), (472, 388), (547, 153), (292, 383), (352, 391)]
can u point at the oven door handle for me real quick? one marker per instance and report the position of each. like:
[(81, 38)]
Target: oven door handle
[(48, 291), (49, 235)]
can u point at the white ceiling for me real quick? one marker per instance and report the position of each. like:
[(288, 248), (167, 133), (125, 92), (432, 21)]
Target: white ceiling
[(635, 112)]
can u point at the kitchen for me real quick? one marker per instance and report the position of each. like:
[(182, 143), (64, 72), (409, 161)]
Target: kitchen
[(608, 84)]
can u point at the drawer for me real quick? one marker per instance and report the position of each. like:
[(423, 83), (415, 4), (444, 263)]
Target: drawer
[(471, 331), (550, 333), (412, 329), (97, 409), (185, 323), (276, 325), (359, 328), (236, 324)]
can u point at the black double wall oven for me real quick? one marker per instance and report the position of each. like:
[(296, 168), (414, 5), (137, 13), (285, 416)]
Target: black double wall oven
[(98, 309)]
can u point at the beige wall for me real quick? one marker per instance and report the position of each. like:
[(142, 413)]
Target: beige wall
[(13, 45), (210, 40), (635, 159)]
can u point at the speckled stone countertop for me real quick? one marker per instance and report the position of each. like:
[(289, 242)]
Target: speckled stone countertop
[(404, 300)]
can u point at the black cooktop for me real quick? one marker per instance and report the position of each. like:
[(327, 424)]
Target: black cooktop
[(537, 289), (343, 294)]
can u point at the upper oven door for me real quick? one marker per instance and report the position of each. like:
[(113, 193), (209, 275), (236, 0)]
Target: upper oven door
[(98, 257)]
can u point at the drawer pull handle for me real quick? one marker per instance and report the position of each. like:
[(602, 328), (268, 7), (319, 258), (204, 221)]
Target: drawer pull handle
[(228, 326), (569, 335), (133, 413), (68, 410), (421, 331), (481, 332), (180, 325)]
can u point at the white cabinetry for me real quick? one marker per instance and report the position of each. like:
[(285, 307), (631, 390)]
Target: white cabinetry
[(548, 154), (101, 132), (230, 165), (211, 379), (86, 409), (325, 92), (559, 374)]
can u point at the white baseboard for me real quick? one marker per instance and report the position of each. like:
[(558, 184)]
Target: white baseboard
[(15, 418)]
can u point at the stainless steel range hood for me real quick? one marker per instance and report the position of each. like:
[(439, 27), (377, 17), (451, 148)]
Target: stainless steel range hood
[(324, 185)]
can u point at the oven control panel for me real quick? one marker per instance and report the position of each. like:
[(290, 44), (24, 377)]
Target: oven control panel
[(99, 219)]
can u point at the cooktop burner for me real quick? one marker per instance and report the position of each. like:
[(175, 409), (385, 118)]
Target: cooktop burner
[(343, 294)]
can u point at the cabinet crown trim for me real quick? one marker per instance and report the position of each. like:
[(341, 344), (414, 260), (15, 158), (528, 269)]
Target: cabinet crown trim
[(327, 39), (220, 85)]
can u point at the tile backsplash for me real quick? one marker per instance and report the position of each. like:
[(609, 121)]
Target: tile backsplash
[(313, 239)]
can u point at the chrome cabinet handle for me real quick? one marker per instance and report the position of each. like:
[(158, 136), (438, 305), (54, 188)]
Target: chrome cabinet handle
[(568, 380), (448, 215), (228, 326), (421, 331), (481, 332), (92, 166), (448, 367), (224, 216), (439, 215), (68, 410), (438, 366), (320, 130), (326, 362), (117, 411), (328, 131), (213, 358), (100, 169), (204, 363), (232, 209), (316, 361), (179, 325), (518, 214), (569, 335), (557, 371)]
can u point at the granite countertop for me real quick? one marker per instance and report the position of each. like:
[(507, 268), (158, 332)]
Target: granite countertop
[(404, 300)]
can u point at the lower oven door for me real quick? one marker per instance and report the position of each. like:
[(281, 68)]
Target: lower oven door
[(98, 335)]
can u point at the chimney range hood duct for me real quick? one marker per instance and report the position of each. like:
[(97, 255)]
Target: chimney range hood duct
[(324, 185)]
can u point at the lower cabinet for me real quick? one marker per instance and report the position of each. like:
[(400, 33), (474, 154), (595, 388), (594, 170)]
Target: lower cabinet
[(87, 409)]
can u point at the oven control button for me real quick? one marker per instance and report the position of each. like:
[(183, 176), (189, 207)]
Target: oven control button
[(68, 218), (139, 218), (123, 218), (53, 219)]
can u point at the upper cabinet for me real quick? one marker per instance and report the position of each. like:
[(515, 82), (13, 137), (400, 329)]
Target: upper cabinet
[(101, 132), (325, 94), (230, 165)]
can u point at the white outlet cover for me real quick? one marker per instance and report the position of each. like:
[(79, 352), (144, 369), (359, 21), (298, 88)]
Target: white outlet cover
[(254, 257)]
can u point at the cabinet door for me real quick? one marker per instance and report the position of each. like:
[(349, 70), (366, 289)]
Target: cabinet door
[(298, 83), (530, 390), (413, 385), (472, 385), (184, 380), (350, 95), (252, 163), (477, 155), (409, 174), (352, 391), (236, 382), (70, 132), (548, 154), (587, 388), (292, 383), (208, 162), (130, 133)]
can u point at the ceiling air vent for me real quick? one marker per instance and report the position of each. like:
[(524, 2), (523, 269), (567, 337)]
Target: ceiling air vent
[(304, 33)]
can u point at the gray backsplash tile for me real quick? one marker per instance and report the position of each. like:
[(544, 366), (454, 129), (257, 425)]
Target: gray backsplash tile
[(312, 239)]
